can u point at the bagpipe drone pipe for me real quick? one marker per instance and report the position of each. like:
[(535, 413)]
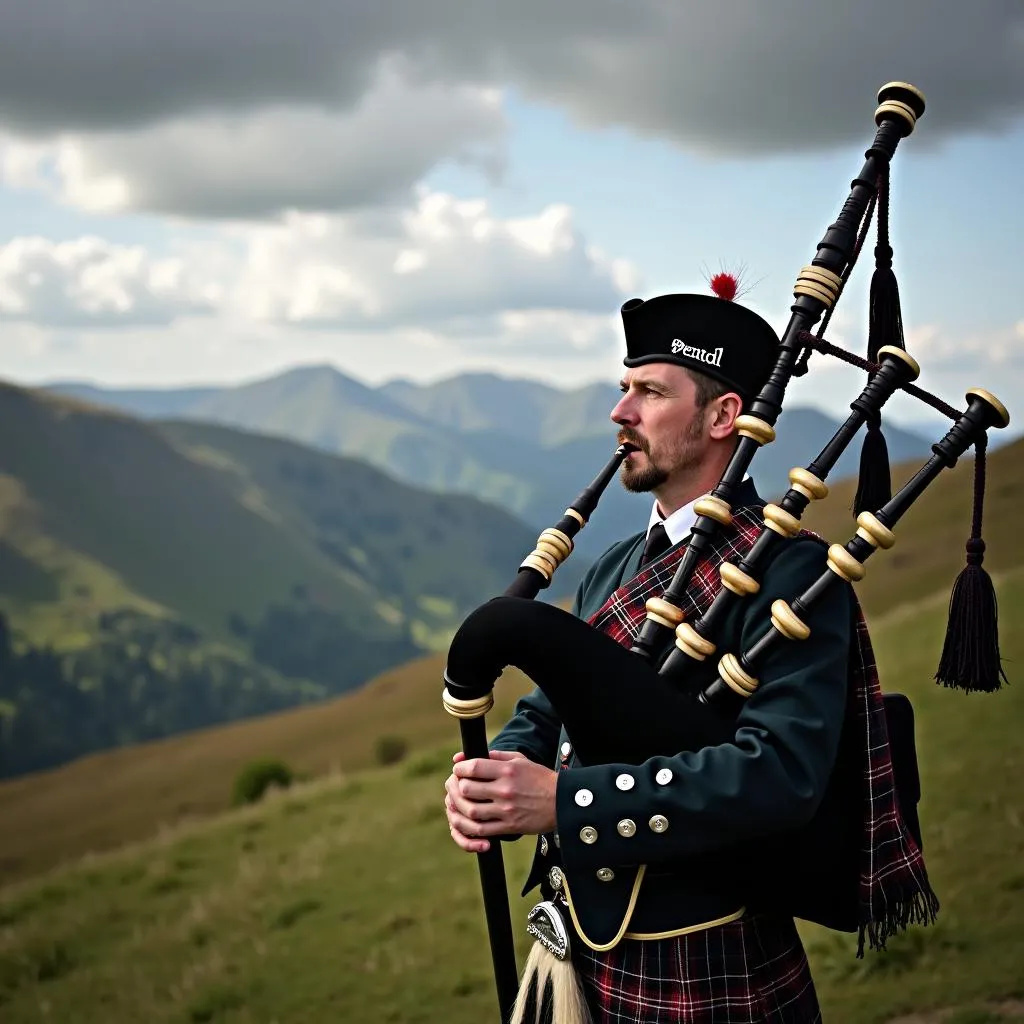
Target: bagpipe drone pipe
[(664, 698)]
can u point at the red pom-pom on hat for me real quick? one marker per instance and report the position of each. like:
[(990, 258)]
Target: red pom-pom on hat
[(725, 285)]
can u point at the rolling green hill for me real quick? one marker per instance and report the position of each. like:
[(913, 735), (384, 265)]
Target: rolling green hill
[(126, 794), (273, 562), (163, 525), (434, 556), (202, 521)]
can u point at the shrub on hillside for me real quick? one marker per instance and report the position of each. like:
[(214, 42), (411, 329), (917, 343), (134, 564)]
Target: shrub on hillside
[(257, 777), (435, 763), (391, 749)]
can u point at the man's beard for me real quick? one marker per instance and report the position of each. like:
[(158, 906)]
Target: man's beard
[(641, 479)]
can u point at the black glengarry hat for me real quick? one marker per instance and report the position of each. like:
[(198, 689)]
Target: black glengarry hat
[(707, 333)]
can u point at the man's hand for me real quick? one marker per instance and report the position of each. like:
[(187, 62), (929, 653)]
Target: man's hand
[(504, 794)]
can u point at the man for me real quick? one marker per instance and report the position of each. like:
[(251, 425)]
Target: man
[(650, 859)]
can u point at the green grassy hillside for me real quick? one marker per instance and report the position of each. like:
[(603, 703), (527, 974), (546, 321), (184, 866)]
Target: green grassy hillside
[(435, 556), (345, 899), (127, 794), (166, 563), (223, 522), (111, 491)]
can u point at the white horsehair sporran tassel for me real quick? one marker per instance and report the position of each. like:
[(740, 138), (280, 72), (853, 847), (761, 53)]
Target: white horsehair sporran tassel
[(549, 971)]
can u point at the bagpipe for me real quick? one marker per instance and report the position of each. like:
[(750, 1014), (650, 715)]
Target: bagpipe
[(663, 695)]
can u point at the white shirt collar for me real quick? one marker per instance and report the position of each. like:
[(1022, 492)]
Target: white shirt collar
[(680, 523)]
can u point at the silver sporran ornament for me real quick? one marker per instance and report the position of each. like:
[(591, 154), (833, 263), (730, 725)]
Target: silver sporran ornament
[(549, 979)]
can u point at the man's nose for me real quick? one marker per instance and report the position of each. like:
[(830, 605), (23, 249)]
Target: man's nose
[(623, 414)]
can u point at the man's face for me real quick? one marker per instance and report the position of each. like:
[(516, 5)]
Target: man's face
[(658, 412)]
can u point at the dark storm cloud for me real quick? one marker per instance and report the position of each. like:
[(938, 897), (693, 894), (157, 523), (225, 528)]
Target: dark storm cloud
[(740, 77)]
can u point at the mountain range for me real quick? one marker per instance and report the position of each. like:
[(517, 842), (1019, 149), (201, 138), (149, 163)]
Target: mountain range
[(525, 446)]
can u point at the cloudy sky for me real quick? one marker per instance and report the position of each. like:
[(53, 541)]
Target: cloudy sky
[(215, 190)]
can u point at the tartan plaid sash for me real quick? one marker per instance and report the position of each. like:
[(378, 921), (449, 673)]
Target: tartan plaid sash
[(894, 890)]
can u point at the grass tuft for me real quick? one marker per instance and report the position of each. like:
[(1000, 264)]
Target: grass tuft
[(294, 912), (213, 1004)]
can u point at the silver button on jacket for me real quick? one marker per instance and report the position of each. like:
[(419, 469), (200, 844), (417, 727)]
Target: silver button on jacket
[(624, 782), (584, 798)]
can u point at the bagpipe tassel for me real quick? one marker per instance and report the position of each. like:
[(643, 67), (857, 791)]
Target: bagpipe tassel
[(874, 485), (970, 654), (885, 327), (550, 991)]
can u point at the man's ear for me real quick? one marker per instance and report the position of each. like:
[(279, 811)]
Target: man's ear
[(723, 412)]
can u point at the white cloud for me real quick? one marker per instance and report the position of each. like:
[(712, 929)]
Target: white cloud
[(88, 281), (435, 288), (952, 362), (981, 351), (444, 266), (443, 263)]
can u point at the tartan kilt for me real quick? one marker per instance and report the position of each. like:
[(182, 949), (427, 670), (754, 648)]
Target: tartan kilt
[(750, 970)]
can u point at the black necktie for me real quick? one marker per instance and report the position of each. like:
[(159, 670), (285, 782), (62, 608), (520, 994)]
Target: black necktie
[(657, 544)]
